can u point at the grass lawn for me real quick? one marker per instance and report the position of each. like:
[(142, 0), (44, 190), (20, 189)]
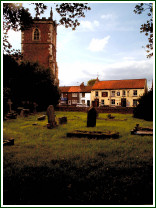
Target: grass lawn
[(44, 167)]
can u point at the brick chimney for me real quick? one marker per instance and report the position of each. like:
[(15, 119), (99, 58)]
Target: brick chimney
[(82, 85)]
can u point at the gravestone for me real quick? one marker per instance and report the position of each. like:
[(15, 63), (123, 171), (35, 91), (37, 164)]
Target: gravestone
[(63, 120), (51, 117), (24, 112), (9, 103), (91, 117)]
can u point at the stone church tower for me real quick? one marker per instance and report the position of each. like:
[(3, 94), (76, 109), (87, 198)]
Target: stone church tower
[(39, 44)]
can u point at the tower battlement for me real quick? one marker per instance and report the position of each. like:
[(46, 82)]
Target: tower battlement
[(38, 44)]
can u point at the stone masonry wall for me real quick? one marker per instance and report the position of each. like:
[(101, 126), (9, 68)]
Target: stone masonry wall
[(124, 110)]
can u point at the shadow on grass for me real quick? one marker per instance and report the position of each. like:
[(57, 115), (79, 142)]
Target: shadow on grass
[(75, 186)]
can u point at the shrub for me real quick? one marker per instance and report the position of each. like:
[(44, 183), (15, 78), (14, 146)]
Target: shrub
[(144, 109)]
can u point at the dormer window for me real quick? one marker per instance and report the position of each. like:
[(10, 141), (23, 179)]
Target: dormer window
[(36, 34)]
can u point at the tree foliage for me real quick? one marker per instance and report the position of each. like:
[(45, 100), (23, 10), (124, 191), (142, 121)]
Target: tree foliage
[(16, 17), (91, 82), (29, 82), (147, 27), (144, 109)]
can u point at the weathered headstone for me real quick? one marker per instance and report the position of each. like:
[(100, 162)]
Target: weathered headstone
[(51, 117), (9, 103), (24, 112), (63, 120), (91, 117)]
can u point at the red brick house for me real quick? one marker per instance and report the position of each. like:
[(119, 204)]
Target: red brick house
[(72, 95)]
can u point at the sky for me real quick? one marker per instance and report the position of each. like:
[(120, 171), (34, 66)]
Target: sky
[(107, 44)]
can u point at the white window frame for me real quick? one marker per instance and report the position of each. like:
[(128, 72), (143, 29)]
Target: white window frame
[(136, 102), (113, 93), (74, 94), (135, 93), (74, 101), (112, 100), (124, 93), (102, 102), (96, 94)]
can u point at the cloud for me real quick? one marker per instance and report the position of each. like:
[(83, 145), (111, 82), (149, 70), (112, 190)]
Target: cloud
[(108, 17), (78, 72), (97, 45), (89, 25)]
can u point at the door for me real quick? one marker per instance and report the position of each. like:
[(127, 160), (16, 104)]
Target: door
[(88, 102), (69, 102), (123, 102)]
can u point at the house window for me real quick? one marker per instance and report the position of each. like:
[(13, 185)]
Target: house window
[(74, 94), (96, 94), (118, 93), (74, 101), (113, 94), (102, 102), (104, 94), (135, 102), (134, 92), (36, 35), (113, 102), (124, 93), (83, 94), (83, 101)]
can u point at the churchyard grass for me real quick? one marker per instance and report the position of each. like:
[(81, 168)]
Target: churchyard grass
[(45, 167)]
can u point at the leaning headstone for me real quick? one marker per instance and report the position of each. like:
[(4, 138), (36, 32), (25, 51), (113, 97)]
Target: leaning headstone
[(41, 118), (91, 117), (51, 117)]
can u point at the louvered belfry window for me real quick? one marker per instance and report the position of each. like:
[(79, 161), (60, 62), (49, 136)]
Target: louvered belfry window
[(36, 34)]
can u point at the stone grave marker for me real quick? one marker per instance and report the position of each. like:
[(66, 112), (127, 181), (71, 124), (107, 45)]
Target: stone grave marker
[(9, 103), (51, 117), (91, 117), (63, 120)]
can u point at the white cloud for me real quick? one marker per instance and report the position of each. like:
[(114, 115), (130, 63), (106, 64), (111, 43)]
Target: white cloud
[(97, 45), (108, 16), (89, 25), (78, 72)]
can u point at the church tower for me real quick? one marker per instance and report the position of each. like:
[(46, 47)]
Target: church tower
[(39, 44)]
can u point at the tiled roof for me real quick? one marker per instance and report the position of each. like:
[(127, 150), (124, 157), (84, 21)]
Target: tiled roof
[(64, 89), (76, 89), (120, 84)]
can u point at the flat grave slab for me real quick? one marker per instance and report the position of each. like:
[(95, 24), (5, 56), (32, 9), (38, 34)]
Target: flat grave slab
[(142, 131), (94, 134), (8, 142)]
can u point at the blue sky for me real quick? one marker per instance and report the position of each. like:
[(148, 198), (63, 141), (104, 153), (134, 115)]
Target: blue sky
[(107, 44)]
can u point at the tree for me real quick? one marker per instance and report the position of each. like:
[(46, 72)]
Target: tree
[(147, 27), (16, 17), (144, 109), (29, 82), (91, 82)]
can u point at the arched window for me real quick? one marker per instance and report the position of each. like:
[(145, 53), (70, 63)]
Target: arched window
[(36, 35)]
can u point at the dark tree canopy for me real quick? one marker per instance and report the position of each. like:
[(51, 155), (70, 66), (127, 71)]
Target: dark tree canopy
[(147, 27), (16, 17), (91, 82), (144, 109), (29, 82)]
